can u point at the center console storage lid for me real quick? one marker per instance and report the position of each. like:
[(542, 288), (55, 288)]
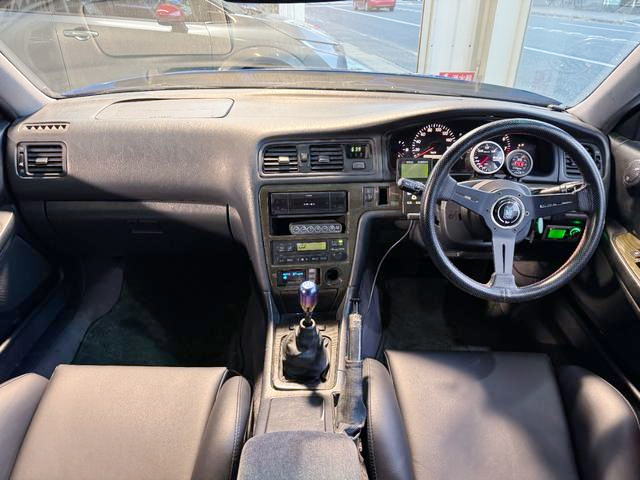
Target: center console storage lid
[(300, 455)]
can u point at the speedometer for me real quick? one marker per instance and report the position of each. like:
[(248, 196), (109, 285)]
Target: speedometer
[(487, 157), (432, 140)]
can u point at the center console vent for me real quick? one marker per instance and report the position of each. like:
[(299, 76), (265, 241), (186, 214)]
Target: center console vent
[(572, 170), (280, 159), (318, 157), (41, 160), (327, 157)]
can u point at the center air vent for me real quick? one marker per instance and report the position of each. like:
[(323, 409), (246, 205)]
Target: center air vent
[(326, 157), (572, 169), (280, 159), (41, 159)]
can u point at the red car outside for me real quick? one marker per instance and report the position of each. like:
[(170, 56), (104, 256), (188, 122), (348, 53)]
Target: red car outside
[(374, 4)]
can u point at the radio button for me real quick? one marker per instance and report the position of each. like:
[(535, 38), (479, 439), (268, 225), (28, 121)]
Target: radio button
[(340, 256)]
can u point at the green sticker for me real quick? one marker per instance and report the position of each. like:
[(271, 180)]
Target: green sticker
[(556, 233)]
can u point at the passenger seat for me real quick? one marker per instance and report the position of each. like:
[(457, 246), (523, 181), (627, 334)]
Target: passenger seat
[(116, 422)]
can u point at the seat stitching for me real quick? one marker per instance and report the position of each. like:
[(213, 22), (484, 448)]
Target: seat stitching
[(235, 431)]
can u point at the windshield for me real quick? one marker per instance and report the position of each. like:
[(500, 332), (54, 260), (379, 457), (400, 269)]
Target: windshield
[(560, 49)]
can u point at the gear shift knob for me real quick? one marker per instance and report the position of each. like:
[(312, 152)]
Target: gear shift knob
[(308, 297)]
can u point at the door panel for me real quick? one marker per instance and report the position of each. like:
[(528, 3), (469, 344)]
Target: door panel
[(622, 241), (118, 39), (626, 155), (31, 36), (27, 279)]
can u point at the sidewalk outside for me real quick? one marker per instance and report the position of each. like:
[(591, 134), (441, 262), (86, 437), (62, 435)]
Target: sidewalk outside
[(623, 15)]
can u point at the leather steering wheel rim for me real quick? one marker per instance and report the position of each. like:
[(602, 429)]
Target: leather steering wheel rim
[(439, 187)]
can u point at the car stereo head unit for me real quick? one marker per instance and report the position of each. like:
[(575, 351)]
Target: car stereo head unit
[(308, 203)]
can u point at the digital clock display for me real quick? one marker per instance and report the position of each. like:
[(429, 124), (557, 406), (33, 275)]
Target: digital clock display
[(357, 150), (310, 246)]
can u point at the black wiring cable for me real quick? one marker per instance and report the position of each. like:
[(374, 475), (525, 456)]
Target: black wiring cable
[(375, 277)]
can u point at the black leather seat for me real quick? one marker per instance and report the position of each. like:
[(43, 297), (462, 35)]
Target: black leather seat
[(112, 422), (481, 415)]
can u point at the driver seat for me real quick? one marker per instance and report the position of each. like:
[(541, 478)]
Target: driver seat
[(484, 415)]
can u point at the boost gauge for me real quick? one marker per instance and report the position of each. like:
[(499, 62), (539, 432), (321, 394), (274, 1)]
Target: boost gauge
[(519, 163), (487, 158)]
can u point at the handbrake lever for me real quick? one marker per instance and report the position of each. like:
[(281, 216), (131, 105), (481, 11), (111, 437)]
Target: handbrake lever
[(351, 412)]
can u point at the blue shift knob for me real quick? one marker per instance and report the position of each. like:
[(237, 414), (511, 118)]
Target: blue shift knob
[(308, 296)]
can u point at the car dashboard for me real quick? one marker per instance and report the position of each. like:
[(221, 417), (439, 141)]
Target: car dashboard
[(519, 157), (299, 177)]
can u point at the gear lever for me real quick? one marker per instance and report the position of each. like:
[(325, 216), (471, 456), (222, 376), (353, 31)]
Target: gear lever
[(305, 353), (308, 298)]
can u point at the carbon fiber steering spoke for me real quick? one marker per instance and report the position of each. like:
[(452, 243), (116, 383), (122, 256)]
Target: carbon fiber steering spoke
[(470, 198)]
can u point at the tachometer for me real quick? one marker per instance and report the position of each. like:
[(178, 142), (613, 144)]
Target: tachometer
[(519, 163), (487, 157), (432, 140)]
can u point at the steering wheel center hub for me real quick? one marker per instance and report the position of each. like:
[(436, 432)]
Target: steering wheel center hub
[(508, 212)]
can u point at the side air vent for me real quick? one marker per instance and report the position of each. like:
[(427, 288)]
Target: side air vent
[(326, 157), (47, 127), (280, 159), (572, 169), (41, 160)]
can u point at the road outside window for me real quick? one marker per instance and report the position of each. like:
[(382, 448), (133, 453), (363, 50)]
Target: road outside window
[(561, 49)]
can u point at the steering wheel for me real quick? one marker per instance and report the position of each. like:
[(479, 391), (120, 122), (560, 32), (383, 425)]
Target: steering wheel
[(508, 209)]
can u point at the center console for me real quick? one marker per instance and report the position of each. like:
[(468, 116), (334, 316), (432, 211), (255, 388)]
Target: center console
[(300, 454), (310, 233)]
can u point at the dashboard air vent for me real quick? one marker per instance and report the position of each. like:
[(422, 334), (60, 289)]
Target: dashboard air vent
[(47, 127), (571, 168), (280, 159), (42, 159), (327, 157)]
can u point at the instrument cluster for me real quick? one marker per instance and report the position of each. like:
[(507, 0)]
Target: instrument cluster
[(513, 156)]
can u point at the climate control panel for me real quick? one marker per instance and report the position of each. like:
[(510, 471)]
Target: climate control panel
[(299, 252)]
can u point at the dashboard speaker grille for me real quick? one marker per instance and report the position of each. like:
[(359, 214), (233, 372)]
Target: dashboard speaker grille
[(327, 157), (47, 127), (42, 159), (572, 169), (280, 159)]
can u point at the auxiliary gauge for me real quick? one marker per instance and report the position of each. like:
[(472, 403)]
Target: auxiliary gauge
[(487, 158), (519, 163)]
